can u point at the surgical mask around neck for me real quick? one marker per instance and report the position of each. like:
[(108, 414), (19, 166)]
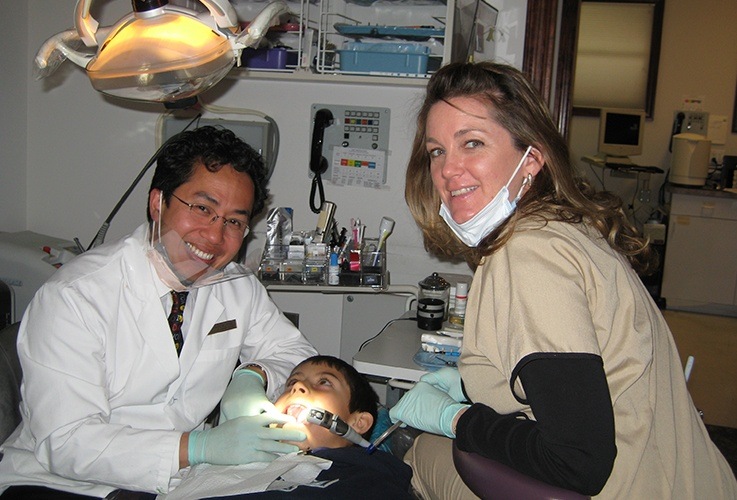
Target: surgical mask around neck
[(491, 216), (198, 274)]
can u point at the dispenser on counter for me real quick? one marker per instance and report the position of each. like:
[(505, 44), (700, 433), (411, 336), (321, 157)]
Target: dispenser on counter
[(690, 160), (434, 287)]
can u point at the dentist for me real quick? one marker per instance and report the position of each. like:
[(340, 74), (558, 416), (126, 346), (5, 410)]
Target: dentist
[(568, 372), (116, 389)]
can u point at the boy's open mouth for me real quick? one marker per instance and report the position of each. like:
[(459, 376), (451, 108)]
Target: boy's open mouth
[(298, 411)]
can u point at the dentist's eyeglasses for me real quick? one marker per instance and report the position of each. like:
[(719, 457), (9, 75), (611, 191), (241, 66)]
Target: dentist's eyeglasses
[(234, 227)]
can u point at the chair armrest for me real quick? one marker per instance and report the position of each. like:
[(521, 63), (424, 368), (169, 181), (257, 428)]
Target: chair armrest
[(488, 478)]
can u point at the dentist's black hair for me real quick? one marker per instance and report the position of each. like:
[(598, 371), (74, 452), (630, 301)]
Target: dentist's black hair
[(213, 147)]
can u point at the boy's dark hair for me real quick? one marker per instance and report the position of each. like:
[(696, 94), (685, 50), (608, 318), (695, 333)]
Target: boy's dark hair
[(363, 396), (214, 147)]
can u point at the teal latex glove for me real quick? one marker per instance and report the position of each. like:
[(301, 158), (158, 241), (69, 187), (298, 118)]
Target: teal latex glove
[(448, 380), (245, 396), (427, 408), (243, 440)]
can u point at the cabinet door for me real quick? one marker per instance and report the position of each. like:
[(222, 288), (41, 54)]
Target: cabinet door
[(320, 317), (700, 264)]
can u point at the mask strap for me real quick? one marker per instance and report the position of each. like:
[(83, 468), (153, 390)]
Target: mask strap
[(161, 199), (527, 180), (519, 165), (157, 223)]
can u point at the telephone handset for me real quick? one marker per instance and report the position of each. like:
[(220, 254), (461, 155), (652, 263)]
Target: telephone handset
[(677, 127), (318, 163)]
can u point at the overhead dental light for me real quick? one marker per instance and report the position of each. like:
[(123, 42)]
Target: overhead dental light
[(159, 52)]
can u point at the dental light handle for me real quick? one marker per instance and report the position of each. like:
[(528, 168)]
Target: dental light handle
[(336, 425)]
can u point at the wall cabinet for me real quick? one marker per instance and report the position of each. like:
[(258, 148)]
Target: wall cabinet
[(351, 40), (700, 272)]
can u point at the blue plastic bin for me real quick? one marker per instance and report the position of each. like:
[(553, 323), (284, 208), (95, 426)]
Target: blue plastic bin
[(385, 57), (276, 58)]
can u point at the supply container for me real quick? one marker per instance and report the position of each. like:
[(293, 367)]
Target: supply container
[(435, 287), (274, 58), (384, 57), (457, 314), (430, 313)]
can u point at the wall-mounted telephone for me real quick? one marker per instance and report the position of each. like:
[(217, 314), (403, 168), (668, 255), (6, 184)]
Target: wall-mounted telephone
[(695, 122), (318, 162), (355, 144)]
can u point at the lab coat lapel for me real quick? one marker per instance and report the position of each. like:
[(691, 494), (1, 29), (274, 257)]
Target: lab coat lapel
[(208, 309), (154, 328), (151, 321)]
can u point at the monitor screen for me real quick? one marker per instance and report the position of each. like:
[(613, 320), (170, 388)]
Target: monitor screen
[(620, 132)]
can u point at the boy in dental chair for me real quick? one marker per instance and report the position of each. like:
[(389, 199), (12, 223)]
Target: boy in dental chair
[(331, 384)]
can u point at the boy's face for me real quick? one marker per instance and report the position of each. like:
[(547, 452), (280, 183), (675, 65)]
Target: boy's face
[(313, 385)]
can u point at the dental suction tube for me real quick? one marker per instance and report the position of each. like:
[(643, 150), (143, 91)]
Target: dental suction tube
[(336, 425)]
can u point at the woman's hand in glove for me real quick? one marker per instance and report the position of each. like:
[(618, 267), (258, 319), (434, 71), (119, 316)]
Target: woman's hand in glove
[(243, 440), (427, 408), (245, 396), (448, 380)]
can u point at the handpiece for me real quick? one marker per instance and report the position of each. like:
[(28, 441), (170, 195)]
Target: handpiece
[(336, 425)]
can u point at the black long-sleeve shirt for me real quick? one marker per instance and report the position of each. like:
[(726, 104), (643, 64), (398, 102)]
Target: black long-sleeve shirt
[(571, 442)]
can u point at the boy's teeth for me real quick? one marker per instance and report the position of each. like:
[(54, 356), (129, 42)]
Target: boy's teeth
[(199, 253), (296, 411)]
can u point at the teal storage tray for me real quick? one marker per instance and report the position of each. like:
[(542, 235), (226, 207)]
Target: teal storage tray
[(403, 32), (385, 57)]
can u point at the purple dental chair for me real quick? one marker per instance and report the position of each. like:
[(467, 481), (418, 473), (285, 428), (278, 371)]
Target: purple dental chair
[(490, 479)]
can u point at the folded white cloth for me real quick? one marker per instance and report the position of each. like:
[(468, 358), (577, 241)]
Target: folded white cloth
[(206, 480)]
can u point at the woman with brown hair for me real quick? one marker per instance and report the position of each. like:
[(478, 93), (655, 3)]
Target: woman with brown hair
[(568, 373)]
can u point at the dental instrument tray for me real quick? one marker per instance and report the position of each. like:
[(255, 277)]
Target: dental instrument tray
[(435, 360), (378, 31), (439, 349)]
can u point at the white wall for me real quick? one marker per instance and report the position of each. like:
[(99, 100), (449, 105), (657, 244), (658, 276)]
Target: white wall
[(67, 153), (13, 99), (698, 59)]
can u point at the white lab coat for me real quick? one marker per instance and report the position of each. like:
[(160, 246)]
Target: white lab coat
[(105, 398)]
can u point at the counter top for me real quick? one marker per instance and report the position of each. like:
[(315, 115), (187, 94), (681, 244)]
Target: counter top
[(700, 191), (391, 354)]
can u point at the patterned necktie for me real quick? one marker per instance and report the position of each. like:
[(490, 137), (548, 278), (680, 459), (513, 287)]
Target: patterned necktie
[(176, 317)]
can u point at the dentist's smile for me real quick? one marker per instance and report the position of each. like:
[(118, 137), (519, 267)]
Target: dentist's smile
[(199, 253)]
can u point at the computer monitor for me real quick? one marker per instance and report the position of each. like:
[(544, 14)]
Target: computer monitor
[(621, 132)]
